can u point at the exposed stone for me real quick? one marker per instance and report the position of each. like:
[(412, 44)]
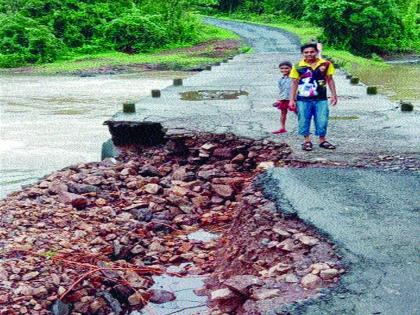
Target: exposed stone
[(138, 249), (24, 290), (125, 172), (44, 184), (152, 188), (329, 274), (179, 191), (133, 184), (280, 269), (135, 299), (320, 266), (100, 202), (221, 294), (129, 227), (93, 180), (224, 153), (135, 280), (30, 275), (40, 291), (287, 245), (156, 247), (77, 201), (180, 174), (238, 159), (142, 214), (264, 294), (281, 232), (56, 187), (243, 283), (311, 281), (60, 308), (97, 305), (308, 240), (208, 174), (200, 201), (4, 275), (291, 278), (208, 146), (217, 200), (149, 171), (161, 296), (223, 190), (265, 165), (55, 279), (82, 188)]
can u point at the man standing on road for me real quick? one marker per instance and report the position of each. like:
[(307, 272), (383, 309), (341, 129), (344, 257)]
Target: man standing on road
[(310, 79)]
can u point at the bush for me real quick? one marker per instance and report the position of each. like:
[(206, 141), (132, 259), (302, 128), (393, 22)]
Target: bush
[(23, 40), (134, 32), (43, 46), (11, 60)]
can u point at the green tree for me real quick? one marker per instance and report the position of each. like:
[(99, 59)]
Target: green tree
[(229, 5), (134, 32), (409, 10), (361, 26), (23, 40)]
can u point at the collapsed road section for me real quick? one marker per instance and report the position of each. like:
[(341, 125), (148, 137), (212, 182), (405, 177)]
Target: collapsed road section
[(98, 238)]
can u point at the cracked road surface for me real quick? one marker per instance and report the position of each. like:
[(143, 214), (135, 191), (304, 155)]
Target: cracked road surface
[(374, 218), (361, 124)]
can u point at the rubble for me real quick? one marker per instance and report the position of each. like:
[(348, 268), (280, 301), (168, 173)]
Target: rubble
[(89, 238)]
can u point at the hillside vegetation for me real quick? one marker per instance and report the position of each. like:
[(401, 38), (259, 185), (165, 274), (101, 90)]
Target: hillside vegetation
[(363, 27), (40, 31)]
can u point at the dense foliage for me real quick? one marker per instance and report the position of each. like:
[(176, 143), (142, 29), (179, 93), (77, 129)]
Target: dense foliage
[(40, 30), (361, 26)]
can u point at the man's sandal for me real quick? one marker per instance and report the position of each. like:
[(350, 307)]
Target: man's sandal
[(327, 145), (307, 146)]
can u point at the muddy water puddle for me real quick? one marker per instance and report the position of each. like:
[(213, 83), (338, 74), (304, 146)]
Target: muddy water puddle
[(182, 285), (203, 236), (186, 300), (50, 122), (399, 81), (203, 95)]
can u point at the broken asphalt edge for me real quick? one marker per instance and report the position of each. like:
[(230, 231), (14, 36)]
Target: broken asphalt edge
[(268, 184)]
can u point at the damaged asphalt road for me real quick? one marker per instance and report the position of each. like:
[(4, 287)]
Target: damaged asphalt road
[(373, 217)]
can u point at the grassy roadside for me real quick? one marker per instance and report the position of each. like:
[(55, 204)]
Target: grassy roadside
[(176, 57), (305, 32)]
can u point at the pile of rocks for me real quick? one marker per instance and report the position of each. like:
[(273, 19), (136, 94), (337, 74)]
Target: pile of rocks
[(88, 239), (283, 260), (388, 162)]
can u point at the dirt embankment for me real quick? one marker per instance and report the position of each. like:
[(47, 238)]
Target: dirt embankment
[(91, 238), (215, 49)]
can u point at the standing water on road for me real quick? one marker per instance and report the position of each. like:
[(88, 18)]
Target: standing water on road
[(399, 81), (50, 122)]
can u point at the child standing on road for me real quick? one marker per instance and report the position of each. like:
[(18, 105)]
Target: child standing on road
[(285, 84)]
